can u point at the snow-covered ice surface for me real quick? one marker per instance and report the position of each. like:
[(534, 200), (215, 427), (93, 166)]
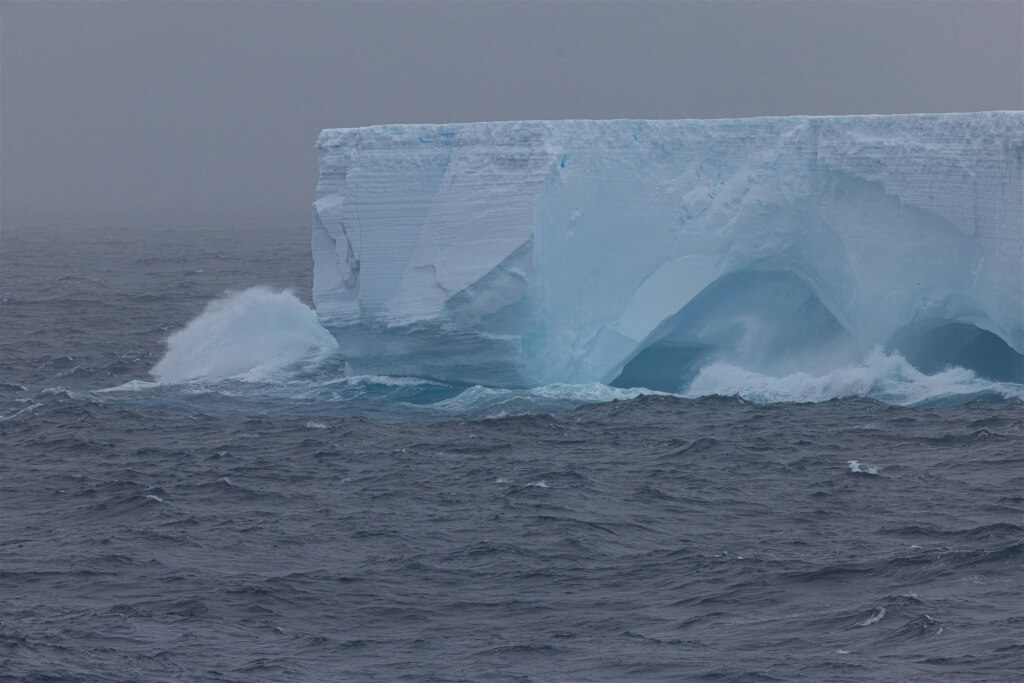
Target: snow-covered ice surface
[(520, 254)]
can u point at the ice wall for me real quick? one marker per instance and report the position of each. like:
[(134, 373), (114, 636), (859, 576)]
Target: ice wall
[(525, 253)]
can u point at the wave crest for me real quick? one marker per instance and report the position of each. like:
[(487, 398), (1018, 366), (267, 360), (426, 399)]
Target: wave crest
[(885, 377), (248, 335), (261, 345)]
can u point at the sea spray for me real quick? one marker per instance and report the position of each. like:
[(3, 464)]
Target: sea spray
[(264, 343), (885, 377), (245, 334)]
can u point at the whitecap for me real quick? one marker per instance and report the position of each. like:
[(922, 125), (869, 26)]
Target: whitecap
[(885, 377), (857, 468), (874, 618), (134, 385), (506, 402), (388, 380), (24, 411), (248, 335)]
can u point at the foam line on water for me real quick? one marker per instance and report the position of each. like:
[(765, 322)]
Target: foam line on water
[(266, 344), (551, 396), (247, 335), (886, 377)]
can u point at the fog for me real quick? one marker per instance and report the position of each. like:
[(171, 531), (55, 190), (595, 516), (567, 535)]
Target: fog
[(154, 113)]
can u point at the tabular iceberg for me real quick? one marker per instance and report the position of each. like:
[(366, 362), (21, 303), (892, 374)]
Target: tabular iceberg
[(532, 252)]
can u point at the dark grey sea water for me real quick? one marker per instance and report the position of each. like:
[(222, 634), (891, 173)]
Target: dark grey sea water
[(294, 524)]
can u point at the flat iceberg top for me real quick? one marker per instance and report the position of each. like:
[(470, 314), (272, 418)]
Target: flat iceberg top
[(505, 132), (520, 253)]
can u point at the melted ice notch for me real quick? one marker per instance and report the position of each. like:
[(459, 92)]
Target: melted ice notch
[(528, 253), (768, 322)]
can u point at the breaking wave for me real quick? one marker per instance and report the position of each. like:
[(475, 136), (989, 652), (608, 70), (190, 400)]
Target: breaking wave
[(248, 334), (881, 376), (267, 347)]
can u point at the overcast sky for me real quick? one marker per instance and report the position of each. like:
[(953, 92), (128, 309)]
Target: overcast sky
[(151, 113)]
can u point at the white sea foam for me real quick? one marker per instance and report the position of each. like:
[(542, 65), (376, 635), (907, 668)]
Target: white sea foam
[(874, 618), (478, 397), (134, 385), (247, 335), (886, 377), (269, 343), (856, 467), (24, 411), (388, 381)]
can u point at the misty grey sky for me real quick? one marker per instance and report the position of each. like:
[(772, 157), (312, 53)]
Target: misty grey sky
[(158, 112)]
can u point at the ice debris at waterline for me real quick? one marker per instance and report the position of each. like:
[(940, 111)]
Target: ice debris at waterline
[(521, 254)]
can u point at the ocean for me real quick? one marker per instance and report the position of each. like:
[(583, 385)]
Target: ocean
[(184, 497)]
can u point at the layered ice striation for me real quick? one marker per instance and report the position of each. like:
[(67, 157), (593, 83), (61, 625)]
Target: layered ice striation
[(635, 252)]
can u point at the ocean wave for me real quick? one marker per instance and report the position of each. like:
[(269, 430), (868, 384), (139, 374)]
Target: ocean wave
[(252, 335), (504, 402), (267, 346), (881, 376)]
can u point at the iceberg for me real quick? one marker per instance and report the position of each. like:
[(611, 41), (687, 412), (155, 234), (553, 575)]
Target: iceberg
[(525, 253)]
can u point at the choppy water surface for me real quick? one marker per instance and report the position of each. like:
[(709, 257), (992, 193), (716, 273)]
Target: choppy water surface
[(227, 505)]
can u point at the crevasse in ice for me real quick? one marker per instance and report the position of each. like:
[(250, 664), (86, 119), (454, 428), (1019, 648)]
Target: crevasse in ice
[(634, 252)]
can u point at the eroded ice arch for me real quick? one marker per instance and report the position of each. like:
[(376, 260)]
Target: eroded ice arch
[(524, 253)]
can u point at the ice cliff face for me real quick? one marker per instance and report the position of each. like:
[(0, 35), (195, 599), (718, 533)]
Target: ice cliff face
[(526, 253)]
